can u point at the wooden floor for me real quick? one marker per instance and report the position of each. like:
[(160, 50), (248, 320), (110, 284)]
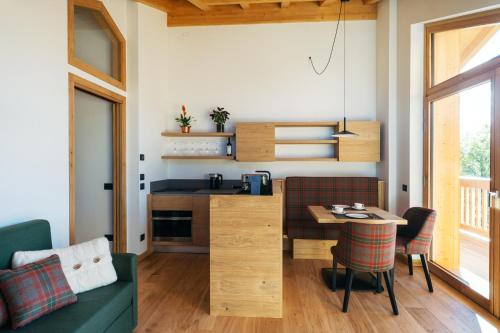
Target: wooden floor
[(174, 296)]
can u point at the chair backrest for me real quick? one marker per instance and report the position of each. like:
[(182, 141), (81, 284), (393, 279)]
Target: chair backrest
[(27, 236), (323, 191), (366, 247), (419, 229)]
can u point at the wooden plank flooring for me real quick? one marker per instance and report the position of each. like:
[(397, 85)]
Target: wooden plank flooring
[(174, 297)]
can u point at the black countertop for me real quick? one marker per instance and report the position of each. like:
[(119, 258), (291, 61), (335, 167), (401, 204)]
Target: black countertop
[(194, 186)]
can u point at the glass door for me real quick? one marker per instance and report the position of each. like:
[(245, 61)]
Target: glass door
[(461, 183)]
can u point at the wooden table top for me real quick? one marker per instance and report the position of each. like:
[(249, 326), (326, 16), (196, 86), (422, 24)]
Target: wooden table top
[(324, 215)]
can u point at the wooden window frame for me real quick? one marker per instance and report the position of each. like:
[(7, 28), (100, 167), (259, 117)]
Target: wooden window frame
[(110, 28), (119, 159), (470, 78)]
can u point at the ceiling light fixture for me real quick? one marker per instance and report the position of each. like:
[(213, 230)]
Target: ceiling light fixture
[(344, 132)]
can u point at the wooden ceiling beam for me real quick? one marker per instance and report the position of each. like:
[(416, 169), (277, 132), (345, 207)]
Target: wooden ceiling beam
[(268, 13), (244, 5), (326, 2), (370, 2), (237, 2), (200, 4), (285, 4)]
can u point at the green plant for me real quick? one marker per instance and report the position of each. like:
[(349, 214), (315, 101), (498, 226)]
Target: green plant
[(219, 116), (475, 154), (184, 120)]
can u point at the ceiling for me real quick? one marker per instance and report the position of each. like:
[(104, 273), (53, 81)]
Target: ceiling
[(223, 12)]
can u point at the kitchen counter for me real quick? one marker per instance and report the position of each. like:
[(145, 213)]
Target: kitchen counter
[(246, 258)]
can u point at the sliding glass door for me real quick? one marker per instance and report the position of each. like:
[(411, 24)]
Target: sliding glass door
[(462, 153)]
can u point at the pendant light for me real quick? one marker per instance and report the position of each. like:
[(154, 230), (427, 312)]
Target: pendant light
[(344, 133)]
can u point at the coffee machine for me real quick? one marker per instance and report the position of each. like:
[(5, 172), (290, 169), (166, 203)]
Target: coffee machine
[(216, 180), (258, 183)]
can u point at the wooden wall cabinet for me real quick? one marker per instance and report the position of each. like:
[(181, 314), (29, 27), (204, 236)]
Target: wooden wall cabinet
[(365, 147), (255, 142)]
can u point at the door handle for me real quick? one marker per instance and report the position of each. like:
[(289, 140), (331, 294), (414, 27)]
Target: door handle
[(491, 196)]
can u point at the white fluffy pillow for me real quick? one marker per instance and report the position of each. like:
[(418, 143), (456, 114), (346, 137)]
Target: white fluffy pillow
[(86, 266)]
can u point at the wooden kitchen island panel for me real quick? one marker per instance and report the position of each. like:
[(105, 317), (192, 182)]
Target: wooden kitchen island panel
[(246, 258)]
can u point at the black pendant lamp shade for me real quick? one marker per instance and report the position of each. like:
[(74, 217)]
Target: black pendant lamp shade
[(344, 133)]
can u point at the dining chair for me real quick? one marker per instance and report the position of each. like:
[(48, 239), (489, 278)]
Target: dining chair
[(415, 238), (363, 247)]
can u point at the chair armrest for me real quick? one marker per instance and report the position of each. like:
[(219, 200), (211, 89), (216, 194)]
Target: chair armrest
[(126, 270)]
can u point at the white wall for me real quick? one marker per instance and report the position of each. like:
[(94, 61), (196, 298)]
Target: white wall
[(410, 16), (153, 84), (34, 110), (262, 73), (34, 114)]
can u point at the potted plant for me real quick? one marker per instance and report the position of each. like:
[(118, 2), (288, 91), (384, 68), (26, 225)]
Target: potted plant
[(219, 116), (184, 121)]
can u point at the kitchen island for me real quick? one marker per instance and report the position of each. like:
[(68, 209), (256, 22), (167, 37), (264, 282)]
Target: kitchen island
[(243, 234), (246, 254)]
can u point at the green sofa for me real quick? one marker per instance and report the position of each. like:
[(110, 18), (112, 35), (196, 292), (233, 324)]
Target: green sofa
[(112, 308)]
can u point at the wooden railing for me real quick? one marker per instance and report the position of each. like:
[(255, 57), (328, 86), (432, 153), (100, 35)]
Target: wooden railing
[(474, 215)]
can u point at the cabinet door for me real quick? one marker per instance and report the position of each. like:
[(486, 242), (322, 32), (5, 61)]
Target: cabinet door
[(255, 142), (365, 147), (201, 221)]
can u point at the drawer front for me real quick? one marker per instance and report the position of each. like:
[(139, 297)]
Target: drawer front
[(172, 202)]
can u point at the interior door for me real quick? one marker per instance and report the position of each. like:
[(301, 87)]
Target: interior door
[(93, 167)]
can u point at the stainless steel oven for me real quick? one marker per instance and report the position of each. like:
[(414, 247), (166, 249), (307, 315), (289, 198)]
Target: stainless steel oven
[(172, 225)]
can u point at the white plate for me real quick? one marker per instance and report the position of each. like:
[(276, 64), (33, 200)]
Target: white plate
[(341, 206), (357, 216), (334, 212), (354, 208)]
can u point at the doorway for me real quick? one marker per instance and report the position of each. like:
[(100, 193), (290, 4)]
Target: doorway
[(97, 164), (462, 148)]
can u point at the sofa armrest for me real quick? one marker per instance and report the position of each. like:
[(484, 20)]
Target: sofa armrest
[(126, 269)]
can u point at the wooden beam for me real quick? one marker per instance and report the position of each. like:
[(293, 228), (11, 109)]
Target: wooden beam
[(285, 4), (326, 2), (244, 5), (370, 2), (200, 4), (186, 15)]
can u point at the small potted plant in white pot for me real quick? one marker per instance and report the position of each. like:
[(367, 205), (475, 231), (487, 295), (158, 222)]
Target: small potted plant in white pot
[(184, 121), (219, 117)]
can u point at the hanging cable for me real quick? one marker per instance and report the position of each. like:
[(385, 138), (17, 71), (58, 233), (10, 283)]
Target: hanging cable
[(333, 44)]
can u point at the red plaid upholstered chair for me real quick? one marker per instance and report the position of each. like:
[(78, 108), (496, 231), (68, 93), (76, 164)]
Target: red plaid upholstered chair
[(365, 247), (416, 237)]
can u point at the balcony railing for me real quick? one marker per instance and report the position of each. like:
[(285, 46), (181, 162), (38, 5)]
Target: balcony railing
[(474, 215)]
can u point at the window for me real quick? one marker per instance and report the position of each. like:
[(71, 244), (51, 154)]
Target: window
[(95, 43)]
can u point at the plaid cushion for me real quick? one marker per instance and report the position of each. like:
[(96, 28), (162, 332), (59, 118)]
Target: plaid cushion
[(366, 247), (323, 191), (417, 235), (34, 290), (4, 316)]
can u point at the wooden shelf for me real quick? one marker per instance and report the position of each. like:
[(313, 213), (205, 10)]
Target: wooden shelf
[(196, 157), (199, 134), (307, 124), (304, 142), (312, 159)]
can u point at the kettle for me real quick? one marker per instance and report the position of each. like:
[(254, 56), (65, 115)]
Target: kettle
[(215, 181)]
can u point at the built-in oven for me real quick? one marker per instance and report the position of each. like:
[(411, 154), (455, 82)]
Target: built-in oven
[(172, 225)]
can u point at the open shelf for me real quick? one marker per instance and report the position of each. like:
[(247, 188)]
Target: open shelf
[(196, 157), (307, 124), (199, 134), (304, 142), (312, 159)]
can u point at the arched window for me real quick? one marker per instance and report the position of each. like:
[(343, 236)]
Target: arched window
[(95, 44)]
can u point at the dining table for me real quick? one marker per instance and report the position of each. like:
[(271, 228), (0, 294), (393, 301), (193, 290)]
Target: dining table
[(369, 215)]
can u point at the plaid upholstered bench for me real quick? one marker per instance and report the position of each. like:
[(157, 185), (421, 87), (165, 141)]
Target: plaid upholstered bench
[(310, 239)]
